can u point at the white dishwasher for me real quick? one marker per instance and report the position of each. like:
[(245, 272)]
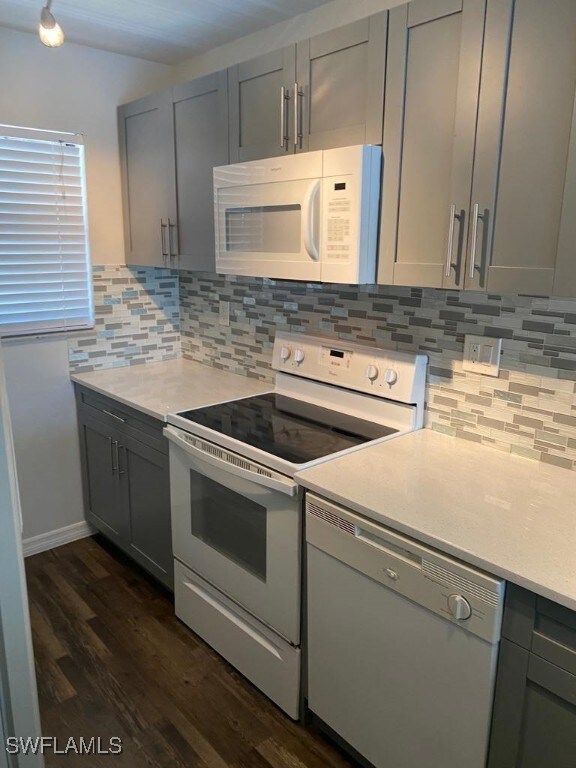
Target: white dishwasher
[(402, 644)]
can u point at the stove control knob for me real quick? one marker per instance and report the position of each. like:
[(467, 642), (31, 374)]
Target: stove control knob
[(459, 607), (372, 372), (299, 356), (285, 353), (391, 376)]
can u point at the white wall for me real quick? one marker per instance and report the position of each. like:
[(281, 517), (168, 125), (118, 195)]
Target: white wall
[(326, 17), (73, 88)]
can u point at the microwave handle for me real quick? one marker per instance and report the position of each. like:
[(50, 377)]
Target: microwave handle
[(308, 220), (277, 483)]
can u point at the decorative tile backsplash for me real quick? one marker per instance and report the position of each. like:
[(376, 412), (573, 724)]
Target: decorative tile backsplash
[(529, 410), (136, 319)]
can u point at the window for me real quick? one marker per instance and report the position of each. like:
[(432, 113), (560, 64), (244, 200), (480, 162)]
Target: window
[(45, 283)]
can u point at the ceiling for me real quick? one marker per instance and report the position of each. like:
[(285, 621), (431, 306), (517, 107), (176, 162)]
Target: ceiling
[(167, 31)]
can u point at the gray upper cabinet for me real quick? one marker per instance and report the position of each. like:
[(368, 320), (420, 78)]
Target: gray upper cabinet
[(432, 83), (260, 109), (340, 86), (200, 114), (565, 275), (324, 92), (524, 133), (146, 138)]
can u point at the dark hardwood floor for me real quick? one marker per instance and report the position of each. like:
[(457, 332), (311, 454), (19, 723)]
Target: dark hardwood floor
[(113, 660)]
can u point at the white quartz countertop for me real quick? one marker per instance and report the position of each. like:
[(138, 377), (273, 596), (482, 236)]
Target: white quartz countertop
[(168, 387), (510, 516)]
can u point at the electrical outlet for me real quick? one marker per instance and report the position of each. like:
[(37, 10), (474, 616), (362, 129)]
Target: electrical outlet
[(224, 310), (482, 355)]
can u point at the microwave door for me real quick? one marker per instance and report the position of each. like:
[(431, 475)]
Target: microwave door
[(269, 230)]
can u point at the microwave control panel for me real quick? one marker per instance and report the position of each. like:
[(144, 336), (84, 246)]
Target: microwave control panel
[(339, 206)]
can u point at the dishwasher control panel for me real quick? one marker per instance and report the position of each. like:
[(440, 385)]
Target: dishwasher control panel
[(465, 596)]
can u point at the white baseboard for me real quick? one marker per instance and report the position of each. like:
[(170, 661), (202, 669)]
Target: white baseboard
[(45, 541)]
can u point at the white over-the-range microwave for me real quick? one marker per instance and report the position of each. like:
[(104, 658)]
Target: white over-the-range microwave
[(309, 217)]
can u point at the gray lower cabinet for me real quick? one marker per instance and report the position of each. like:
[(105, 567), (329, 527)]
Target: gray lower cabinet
[(126, 481), (534, 720), (102, 491), (146, 139), (200, 115)]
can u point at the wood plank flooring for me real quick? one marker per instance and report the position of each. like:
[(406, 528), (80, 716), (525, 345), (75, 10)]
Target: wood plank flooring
[(113, 660)]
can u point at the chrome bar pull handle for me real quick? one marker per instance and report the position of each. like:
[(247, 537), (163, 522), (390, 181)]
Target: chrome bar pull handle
[(163, 228), (476, 215), (172, 240), (284, 135), (112, 455), (114, 416), (118, 449), (298, 134), (114, 444), (450, 250)]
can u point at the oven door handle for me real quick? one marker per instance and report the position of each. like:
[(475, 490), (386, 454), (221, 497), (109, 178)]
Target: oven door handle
[(275, 483)]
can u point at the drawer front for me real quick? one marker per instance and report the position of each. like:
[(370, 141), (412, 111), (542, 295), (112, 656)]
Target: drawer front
[(122, 418), (541, 626), (268, 661)]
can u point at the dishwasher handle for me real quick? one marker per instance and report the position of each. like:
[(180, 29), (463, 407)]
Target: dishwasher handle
[(266, 477)]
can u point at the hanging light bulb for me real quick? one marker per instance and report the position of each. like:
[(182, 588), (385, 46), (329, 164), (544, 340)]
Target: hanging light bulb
[(49, 30)]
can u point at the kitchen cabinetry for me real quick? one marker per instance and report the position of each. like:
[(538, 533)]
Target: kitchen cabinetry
[(260, 91), (534, 720), (126, 480), (476, 138), (433, 76), (524, 127), (146, 138), (169, 144), (324, 92), (200, 113)]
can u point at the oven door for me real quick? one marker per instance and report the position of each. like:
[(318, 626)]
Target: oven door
[(269, 230), (238, 525)]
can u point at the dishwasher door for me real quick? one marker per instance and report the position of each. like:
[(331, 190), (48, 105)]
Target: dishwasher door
[(391, 669)]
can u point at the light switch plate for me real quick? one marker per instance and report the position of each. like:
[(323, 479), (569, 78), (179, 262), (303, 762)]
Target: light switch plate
[(224, 312), (482, 355)]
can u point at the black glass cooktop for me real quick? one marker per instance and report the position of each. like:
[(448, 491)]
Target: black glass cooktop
[(290, 429)]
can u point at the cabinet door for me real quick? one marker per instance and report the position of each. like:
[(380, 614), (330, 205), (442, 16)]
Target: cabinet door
[(524, 128), (432, 83), (534, 721), (201, 139), (146, 136), (565, 275), (145, 481), (340, 77), (99, 452), (260, 106)]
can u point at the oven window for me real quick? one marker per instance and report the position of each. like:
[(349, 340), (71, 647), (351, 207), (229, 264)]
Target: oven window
[(229, 523), (263, 229)]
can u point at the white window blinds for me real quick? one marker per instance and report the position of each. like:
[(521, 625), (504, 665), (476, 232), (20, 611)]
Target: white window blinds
[(45, 280)]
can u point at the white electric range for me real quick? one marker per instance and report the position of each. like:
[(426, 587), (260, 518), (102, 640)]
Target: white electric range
[(237, 511)]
